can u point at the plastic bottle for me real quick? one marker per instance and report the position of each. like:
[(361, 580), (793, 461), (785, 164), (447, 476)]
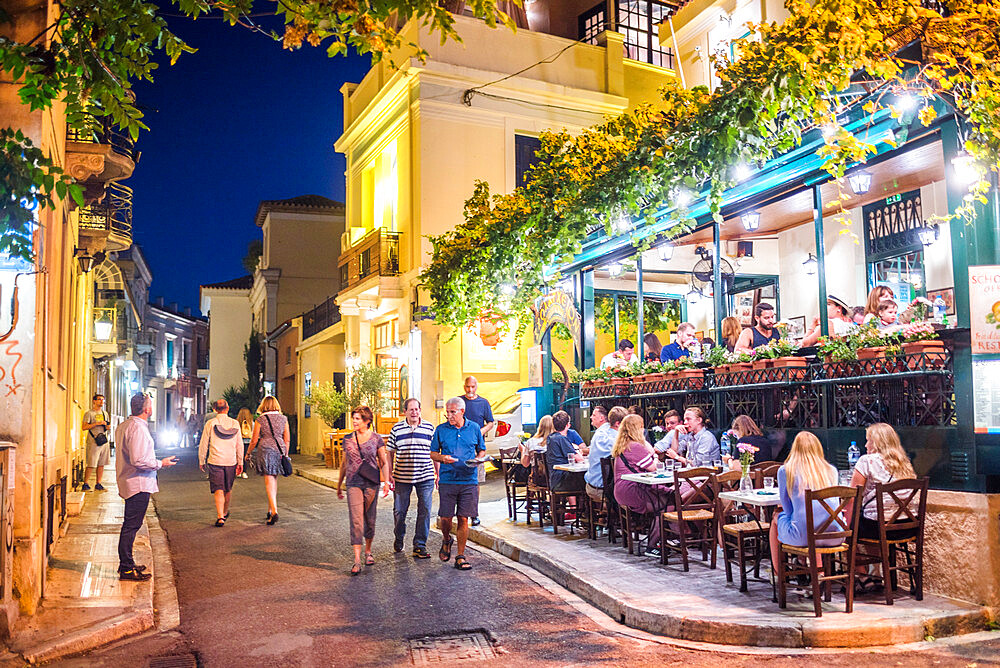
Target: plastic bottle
[(940, 309), (853, 455), (695, 352), (725, 445)]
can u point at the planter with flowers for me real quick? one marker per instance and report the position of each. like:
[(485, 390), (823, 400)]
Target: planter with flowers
[(840, 356), (781, 358), (922, 348), (718, 359), (872, 345), (649, 378), (690, 377), (739, 364)]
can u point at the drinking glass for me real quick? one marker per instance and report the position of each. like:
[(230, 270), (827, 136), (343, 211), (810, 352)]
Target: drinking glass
[(660, 466), (768, 483), (717, 463), (845, 478)]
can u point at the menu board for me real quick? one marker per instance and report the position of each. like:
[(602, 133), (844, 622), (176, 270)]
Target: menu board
[(986, 390), (984, 309)]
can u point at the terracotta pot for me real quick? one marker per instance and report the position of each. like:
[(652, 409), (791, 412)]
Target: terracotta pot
[(620, 381), (797, 366), (654, 377), (694, 377), (721, 375), (924, 354), (762, 364)]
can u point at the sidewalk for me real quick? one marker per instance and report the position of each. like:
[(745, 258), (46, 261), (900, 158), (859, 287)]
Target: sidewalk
[(85, 604), (701, 606)]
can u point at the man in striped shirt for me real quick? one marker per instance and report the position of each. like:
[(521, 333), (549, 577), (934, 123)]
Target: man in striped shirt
[(411, 469)]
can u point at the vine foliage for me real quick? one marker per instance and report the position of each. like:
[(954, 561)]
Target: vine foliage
[(790, 79)]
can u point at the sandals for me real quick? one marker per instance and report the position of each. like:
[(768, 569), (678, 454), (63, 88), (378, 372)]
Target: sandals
[(356, 568), (445, 552), (369, 559), (221, 522), (461, 563)]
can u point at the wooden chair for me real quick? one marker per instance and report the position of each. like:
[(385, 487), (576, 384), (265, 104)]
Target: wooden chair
[(764, 470), (510, 464), (743, 532), (609, 506), (694, 502), (559, 503), (537, 492), (836, 526), (906, 526)]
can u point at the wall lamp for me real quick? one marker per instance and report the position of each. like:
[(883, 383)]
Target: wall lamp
[(751, 221), (88, 261), (861, 181), (928, 234), (811, 264)]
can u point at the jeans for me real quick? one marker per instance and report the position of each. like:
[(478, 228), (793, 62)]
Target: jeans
[(401, 506), (135, 513)]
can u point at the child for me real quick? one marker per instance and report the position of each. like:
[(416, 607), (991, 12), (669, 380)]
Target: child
[(887, 309)]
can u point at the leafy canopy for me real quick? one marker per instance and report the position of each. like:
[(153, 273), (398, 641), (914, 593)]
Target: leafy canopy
[(790, 78)]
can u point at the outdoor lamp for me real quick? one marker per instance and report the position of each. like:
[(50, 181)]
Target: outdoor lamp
[(906, 102), (102, 328), (693, 296), (682, 198), (666, 252), (741, 172), (965, 168), (507, 289), (615, 268), (928, 234), (751, 221), (811, 264), (861, 181)]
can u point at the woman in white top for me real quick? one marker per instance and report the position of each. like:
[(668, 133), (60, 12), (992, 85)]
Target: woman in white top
[(538, 442), (885, 462)]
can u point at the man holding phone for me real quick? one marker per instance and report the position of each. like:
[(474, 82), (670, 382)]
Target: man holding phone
[(136, 467)]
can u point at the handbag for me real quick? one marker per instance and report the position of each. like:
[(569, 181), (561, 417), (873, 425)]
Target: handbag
[(286, 461), (102, 438), (367, 470)]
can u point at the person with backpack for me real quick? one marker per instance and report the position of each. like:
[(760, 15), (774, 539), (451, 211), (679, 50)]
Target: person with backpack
[(220, 454)]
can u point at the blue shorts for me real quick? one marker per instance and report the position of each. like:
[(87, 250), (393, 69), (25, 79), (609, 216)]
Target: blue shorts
[(458, 500)]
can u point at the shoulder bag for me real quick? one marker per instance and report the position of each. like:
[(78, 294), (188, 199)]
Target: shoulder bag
[(286, 462), (366, 470), (102, 438)]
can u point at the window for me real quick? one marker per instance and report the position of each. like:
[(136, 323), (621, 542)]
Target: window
[(364, 262), (170, 359), (525, 155), (391, 363), (288, 355), (638, 21), (893, 250), (345, 275), (386, 334), (307, 383)]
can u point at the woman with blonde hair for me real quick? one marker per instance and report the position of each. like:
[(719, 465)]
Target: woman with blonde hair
[(885, 462), (538, 442), (805, 468), (875, 297), (631, 454), (270, 432), (731, 330), (245, 418)]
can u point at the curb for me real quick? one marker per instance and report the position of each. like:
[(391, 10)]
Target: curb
[(793, 633)]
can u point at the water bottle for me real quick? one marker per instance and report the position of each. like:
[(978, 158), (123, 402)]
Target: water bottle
[(695, 352), (853, 455), (940, 310), (725, 445)]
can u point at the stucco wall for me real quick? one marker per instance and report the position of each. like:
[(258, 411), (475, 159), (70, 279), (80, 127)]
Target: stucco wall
[(228, 332), (321, 360), (962, 546)]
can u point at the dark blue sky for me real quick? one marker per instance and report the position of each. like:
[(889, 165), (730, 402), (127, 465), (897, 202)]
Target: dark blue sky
[(241, 120)]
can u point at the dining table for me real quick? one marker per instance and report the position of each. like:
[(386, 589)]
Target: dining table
[(766, 500), (574, 467)]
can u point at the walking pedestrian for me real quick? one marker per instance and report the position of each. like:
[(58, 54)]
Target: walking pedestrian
[(220, 452), (479, 412), (366, 467), (411, 469), (270, 432), (245, 418), (136, 467), (454, 444), (95, 423)]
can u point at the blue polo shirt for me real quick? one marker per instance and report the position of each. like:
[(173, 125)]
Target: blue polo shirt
[(462, 444), (478, 410), (673, 352), (574, 437)]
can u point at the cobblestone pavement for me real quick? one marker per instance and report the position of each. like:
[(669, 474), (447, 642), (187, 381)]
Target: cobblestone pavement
[(254, 595)]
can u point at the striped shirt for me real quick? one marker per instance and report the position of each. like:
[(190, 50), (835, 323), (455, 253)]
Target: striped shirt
[(411, 447)]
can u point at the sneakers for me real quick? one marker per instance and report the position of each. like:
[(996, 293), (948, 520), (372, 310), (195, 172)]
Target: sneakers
[(99, 487), (85, 488), (475, 521), (397, 545), (134, 575), (652, 551), (421, 553)]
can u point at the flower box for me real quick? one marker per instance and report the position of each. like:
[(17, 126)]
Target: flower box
[(924, 354), (796, 367), (872, 359), (695, 378)]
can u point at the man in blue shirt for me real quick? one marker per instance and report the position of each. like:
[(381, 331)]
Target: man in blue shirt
[(454, 443), (679, 348), (478, 411), (601, 444)]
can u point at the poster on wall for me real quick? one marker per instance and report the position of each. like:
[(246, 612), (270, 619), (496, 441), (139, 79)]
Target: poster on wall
[(535, 366), (984, 309), (986, 381)]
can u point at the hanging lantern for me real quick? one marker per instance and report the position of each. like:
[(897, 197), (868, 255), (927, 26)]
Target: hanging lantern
[(861, 181), (751, 221)]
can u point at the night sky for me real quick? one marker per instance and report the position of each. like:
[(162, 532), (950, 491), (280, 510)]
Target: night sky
[(240, 121)]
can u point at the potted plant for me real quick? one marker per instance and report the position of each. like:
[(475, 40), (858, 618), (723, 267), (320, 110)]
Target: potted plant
[(686, 371), (739, 362), (837, 354), (919, 310), (871, 346), (922, 347), (781, 355), (718, 359)]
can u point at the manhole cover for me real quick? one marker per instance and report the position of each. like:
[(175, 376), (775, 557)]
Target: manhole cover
[(174, 661), (462, 646)]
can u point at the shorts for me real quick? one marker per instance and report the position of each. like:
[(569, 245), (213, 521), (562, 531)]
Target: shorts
[(458, 500), (98, 455), (220, 478), (868, 528)]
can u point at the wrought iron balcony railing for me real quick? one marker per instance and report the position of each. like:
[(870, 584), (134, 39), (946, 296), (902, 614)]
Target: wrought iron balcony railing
[(321, 317), (113, 216), (377, 253), (98, 130)]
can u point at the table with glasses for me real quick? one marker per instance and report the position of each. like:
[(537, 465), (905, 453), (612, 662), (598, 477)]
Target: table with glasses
[(575, 467), (766, 500)]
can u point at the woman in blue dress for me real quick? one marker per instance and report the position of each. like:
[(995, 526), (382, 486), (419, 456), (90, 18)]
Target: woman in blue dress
[(267, 444), (805, 468)]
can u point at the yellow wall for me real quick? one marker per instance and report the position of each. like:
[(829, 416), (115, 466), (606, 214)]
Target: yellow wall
[(321, 358)]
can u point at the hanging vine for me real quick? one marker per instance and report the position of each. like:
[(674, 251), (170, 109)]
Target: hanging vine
[(787, 81)]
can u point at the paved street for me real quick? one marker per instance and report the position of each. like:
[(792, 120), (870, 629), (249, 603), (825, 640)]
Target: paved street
[(253, 595)]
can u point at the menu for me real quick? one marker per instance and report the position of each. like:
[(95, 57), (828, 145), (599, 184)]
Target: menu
[(984, 309)]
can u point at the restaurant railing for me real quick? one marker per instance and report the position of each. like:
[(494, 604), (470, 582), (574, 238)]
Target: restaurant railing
[(321, 317), (99, 130)]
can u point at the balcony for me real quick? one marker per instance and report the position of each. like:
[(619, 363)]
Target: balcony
[(97, 155), (321, 317), (107, 225), (377, 254)]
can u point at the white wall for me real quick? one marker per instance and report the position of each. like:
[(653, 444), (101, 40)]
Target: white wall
[(228, 332)]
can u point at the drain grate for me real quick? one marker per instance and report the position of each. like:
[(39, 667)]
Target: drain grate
[(459, 646), (174, 661)]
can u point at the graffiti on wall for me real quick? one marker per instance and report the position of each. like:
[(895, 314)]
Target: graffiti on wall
[(8, 367)]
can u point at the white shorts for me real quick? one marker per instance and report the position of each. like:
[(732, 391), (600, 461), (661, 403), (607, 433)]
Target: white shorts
[(98, 455)]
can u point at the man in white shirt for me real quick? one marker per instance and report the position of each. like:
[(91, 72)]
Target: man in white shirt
[(220, 452), (624, 356)]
